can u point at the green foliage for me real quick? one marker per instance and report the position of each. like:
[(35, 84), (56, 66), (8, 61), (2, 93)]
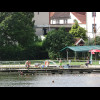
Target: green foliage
[(78, 31), (17, 28), (17, 37), (34, 52), (97, 40), (92, 41), (89, 41), (56, 40)]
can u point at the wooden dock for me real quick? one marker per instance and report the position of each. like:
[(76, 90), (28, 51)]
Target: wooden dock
[(52, 70)]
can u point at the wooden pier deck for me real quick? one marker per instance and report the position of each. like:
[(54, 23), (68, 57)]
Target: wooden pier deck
[(52, 70)]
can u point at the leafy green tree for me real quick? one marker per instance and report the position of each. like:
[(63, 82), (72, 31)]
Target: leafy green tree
[(56, 40), (78, 31), (97, 40), (92, 41), (17, 28), (17, 37)]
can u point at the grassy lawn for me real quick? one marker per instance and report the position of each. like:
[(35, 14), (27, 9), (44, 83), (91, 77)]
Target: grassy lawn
[(83, 63), (78, 63), (51, 63)]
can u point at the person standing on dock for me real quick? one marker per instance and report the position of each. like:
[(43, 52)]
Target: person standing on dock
[(46, 63), (88, 61), (27, 64), (60, 63)]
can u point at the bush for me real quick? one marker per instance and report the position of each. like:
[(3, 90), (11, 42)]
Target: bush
[(34, 52), (56, 40), (78, 31)]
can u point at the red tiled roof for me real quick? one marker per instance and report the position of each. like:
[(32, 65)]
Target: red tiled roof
[(61, 15), (51, 14), (78, 40), (79, 15)]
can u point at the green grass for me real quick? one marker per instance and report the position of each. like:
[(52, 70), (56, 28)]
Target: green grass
[(42, 62), (79, 63)]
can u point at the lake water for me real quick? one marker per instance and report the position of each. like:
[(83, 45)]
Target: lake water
[(45, 80)]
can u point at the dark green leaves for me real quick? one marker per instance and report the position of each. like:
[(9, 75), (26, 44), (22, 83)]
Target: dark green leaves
[(56, 40)]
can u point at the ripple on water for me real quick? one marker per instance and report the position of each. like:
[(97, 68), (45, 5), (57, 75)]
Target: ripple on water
[(45, 80)]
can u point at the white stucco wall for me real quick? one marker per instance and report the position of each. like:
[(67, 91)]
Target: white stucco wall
[(71, 20), (41, 20), (83, 25), (90, 21)]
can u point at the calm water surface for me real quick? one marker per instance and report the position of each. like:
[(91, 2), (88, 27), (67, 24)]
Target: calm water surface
[(45, 80)]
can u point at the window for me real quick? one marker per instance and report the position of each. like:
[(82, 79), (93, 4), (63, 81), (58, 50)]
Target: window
[(57, 21), (93, 28), (93, 14), (44, 31), (61, 21), (65, 21)]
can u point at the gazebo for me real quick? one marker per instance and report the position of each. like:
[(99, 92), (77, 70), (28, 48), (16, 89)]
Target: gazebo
[(81, 49)]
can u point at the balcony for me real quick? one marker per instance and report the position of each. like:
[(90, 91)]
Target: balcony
[(60, 25)]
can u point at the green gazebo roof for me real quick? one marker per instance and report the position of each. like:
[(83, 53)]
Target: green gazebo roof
[(81, 48)]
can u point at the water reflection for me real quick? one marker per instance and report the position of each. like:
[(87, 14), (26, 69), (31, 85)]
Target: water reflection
[(45, 80)]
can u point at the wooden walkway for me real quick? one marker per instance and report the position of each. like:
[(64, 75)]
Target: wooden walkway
[(51, 70)]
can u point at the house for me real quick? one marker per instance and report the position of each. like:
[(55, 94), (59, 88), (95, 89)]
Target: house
[(60, 18), (93, 23), (46, 21), (41, 20), (79, 42), (66, 19), (88, 20)]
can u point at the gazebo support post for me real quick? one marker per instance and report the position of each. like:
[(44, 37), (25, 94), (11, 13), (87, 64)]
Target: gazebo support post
[(84, 55), (67, 53), (95, 57), (75, 55), (91, 58)]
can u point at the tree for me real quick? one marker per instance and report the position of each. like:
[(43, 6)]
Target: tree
[(17, 28), (56, 40), (78, 31), (97, 40), (17, 36), (92, 41)]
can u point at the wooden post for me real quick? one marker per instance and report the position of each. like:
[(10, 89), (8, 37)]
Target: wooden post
[(95, 57), (67, 54), (84, 55), (91, 58), (75, 55)]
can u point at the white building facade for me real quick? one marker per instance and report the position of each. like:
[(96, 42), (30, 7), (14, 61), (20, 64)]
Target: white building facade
[(46, 21), (68, 19), (93, 22), (41, 23)]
